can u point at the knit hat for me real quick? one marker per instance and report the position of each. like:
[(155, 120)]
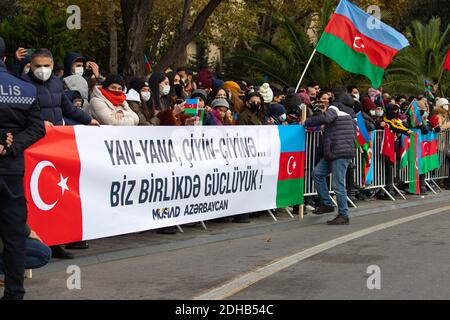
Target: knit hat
[(113, 78), (276, 110), (232, 86), (217, 83), (138, 84), (220, 103), (367, 104), (441, 102), (199, 93), (266, 92), (2, 47), (204, 78)]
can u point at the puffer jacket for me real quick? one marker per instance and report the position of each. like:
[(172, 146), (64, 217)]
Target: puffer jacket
[(104, 111), (54, 103), (339, 135)]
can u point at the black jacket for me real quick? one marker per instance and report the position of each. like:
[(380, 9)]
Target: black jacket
[(340, 132), (54, 103), (19, 115)]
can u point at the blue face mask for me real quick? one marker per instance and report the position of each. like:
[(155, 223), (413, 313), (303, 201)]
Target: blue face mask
[(166, 90), (283, 117)]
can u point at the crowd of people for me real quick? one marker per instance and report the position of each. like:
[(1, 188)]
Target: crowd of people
[(77, 93)]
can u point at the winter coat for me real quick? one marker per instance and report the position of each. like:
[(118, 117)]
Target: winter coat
[(213, 119), (135, 104), (104, 111), (19, 115), (54, 103), (248, 118), (339, 135)]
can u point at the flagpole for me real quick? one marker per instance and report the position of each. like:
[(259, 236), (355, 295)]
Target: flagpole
[(304, 71)]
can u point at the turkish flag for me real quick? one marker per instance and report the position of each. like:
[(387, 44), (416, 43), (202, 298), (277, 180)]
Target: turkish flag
[(51, 185), (388, 147), (447, 61), (291, 165)]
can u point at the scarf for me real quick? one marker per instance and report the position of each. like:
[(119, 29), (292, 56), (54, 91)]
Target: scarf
[(116, 98)]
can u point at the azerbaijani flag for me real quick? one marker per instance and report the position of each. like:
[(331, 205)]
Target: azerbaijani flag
[(404, 147), (413, 164), (429, 90), (358, 48), (191, 108), (428, 152), (367, 160), (415, 119), (291, 170), (148, 65), (362, 135)]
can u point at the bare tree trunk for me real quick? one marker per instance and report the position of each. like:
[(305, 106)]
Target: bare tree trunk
[(185, 35), (135, 16), (112, 30)]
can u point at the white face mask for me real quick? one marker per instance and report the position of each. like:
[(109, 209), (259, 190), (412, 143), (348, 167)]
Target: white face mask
[(372, 112), (145, 96), (283, 117), (356, 96), (79, 71), (26, 70), (43, 73), (425, 114), (379, 113), (445, 107), (166, 90)]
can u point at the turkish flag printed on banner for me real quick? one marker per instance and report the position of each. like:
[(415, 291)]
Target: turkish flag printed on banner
[(51, 185), (447, 61), (388, 147)]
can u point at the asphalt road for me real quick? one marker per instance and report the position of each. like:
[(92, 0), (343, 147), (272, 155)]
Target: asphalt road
[(413, 258)]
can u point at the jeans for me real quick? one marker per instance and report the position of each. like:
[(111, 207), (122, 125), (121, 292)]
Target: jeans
[(338, 169), (13, 216), (38, 255)]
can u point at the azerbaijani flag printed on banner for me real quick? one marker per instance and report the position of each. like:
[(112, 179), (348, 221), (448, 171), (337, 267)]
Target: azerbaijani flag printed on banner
[(191, 108), (362, 135), (415, 119), (350, 42), (291, 171), (413, 164), (428, 152)]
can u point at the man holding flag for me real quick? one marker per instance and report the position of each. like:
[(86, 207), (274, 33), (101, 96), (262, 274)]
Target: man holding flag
[(338, 150)]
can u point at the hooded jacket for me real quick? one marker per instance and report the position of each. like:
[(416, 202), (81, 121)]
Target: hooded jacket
[(69, 59), (104, 111), (54, 103), (340, 129)]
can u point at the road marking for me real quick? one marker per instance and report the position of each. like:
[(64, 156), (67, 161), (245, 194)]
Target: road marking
[(242, 282)]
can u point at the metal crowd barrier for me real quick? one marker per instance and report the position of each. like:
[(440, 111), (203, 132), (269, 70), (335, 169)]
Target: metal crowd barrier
[(379, 165)]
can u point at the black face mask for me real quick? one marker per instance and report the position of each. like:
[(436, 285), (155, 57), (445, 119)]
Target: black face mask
[(255, 107)]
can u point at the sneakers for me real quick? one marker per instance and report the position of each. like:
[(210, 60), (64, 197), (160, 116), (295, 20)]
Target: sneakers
[(309, 208), (339, 220), (323, 209)]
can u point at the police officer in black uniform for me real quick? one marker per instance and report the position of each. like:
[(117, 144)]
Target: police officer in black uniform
[(20, 116)]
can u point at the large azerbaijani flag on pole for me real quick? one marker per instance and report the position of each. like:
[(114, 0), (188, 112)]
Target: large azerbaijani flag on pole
[(358, 46), (84, 182)]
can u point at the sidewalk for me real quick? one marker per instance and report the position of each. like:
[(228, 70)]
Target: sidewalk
[(149, 242)]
